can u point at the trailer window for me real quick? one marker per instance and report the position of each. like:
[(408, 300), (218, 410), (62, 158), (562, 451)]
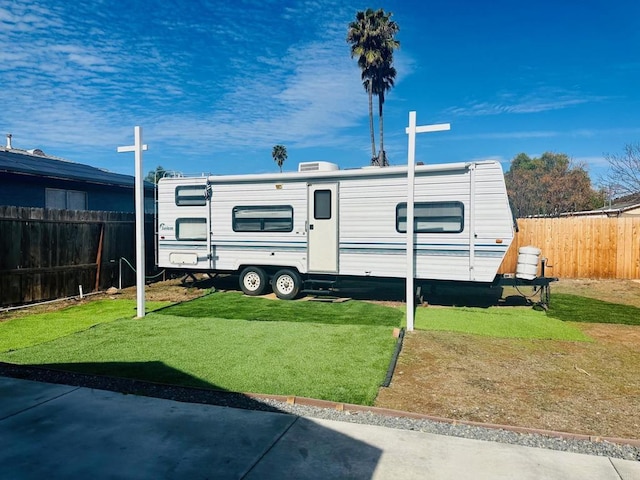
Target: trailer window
[(322, 204), (191, 195), (191, 229), (273, 218), (432, 217)]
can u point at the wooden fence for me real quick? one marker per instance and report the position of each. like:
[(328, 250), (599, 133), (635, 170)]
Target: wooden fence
[(581, 247), (47, 254)]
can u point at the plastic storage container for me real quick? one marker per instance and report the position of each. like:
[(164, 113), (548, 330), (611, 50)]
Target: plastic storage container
[(528, 259)]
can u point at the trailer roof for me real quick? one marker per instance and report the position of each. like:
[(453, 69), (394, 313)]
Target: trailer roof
[(351, 172)]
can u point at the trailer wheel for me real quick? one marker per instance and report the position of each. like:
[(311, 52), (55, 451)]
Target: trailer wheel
[(253, 281), (286, 284)]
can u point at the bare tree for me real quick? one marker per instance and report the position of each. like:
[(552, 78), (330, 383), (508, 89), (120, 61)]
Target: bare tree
[(623, 176)]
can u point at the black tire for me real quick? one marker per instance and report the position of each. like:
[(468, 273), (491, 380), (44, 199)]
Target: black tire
[(253, 281), (286, 284)]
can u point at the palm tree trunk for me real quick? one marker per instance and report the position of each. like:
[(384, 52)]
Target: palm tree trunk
[(373, 141), (383, 156)]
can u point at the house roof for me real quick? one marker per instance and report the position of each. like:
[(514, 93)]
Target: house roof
[(41, 165), (627, 202), (618, 206)]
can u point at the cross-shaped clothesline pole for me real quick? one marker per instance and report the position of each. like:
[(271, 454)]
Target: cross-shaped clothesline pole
[(411, 130), (138, 147)]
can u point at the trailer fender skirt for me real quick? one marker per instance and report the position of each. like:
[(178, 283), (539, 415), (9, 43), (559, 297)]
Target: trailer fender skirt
[(394, 359)]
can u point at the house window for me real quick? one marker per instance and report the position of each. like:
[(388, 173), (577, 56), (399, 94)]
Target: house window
[(65, 199), (322, 204), (191, 195), (275, 218), (191, 229), (432, 217)]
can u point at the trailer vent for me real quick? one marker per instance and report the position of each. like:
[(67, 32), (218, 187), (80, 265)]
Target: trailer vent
[(317, 167)]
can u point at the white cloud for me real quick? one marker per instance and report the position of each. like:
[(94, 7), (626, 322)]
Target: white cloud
[(80, 76), (540, 100), (518, 135), (596, 162)]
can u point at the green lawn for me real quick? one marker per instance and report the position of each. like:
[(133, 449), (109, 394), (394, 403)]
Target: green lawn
[(39, 328), (234, 305), (573, 308), (500, 322), (335, 360)]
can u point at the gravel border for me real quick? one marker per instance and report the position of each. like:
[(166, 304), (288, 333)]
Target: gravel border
[(627, 449)]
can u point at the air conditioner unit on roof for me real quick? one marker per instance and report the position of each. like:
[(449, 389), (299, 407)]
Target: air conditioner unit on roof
[(317, 167)]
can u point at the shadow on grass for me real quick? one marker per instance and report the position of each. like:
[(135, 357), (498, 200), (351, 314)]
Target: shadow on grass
[(451, 294), (151, 379), (446, 294), (573, 308), (231, 438), (235, 305)]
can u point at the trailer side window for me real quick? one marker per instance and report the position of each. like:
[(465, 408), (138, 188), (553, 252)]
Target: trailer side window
[(432, 217), (322, 205), (191, 228), (272, 218), (191, 195)]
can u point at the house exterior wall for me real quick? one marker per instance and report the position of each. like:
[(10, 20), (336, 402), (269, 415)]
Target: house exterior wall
[(30, 191)]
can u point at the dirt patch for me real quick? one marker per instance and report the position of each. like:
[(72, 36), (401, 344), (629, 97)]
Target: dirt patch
[(170, 290), (588, 388)]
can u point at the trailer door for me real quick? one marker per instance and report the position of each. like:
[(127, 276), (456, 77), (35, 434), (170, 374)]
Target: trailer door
[(322, 228)]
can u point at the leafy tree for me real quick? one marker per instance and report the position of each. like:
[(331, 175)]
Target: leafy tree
[(549, 185), (372, 39), (623, 176), (279, 154), (154, 175)]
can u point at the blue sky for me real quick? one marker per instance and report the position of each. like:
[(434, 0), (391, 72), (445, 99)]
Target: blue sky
[(215, 84)]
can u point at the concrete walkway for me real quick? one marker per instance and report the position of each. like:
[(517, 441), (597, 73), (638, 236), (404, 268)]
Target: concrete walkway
[(63, 432)]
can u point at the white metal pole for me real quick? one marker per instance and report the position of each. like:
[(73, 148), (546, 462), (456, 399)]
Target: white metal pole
[(410, 292), (137, 148), (411, 173), (140, 264)]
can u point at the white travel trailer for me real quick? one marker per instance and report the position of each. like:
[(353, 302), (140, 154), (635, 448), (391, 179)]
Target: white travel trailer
[(305, 230)]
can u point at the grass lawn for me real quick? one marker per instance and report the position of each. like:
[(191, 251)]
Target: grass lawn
[(336, 360), (574, 308), (333, 351), (39, 328), (235, 305), (499, 322)]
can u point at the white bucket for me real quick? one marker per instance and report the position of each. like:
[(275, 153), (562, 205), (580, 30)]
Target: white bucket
[(528, 258)]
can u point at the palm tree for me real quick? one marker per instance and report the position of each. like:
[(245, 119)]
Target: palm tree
[(361, 35), (372, 39), (279, 155), (382, 83)]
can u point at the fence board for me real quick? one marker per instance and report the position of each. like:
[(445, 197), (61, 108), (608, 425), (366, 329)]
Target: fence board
[(581, 247)]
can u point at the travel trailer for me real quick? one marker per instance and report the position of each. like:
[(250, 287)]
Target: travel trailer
[(307, 230)]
